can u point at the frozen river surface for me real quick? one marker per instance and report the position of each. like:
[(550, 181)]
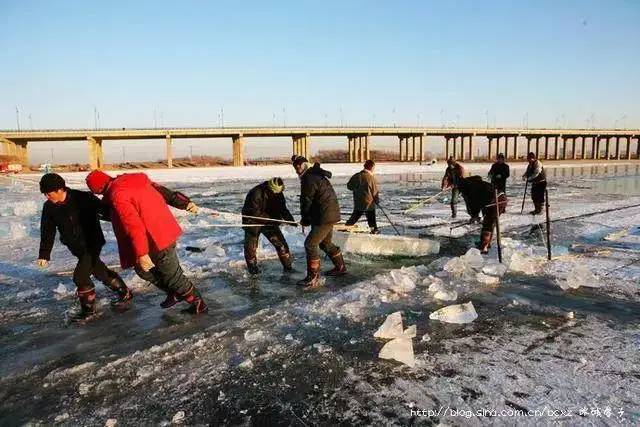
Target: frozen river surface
[(554, 341)]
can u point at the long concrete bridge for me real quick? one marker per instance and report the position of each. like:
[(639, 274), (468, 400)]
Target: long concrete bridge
[(548, 144)]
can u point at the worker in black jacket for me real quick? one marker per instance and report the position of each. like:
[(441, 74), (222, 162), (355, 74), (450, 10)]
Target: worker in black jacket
[(266, 201), (76, 215), (499, 173), (318, 208), (480, 197)]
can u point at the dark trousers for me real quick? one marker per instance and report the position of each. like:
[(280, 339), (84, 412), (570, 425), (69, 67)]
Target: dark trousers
[(489, 214), (537, 194), (91, 264), (371, 218), (320, 236), (167, 273), (271, 232), (500, 185)]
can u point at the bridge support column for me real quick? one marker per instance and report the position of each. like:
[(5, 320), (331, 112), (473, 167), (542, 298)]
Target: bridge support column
[(446, 148), (594, 148), (506, 147), (638, 147), (400, 148), (564, 147), (546, 147), (528, 145), (367, 149), (608, 147), (489, 147), (462, 153), (422, 137), (584, 147), (455, 147), (471, 155), (515, 147), (628, 148), (169, 142), (238, 150), (618, 147), (537, 147), (96, 158)]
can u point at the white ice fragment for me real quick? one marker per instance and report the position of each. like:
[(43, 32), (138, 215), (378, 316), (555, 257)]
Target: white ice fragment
[(26, 208), (178, 418), (385, 245), (84, 388), (13, 231), (410, 332), (474, 258), (494, 268), (521, 263), (445, 295), (289, 337), (254, 335), (61, 292), (487, 280), (578, 276), (391, 328), (436, 285), (61, 417), (246, 364), (426, 338), (400, 349), (322, 348), (459, 313), (111, 422), (571, 315), (401, 282)]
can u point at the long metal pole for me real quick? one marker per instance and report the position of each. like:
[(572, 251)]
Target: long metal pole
[(495, 192), (388, 219), (546, 201), (524, 197)]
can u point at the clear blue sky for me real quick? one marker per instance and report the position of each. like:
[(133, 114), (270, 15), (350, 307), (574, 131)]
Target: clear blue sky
[(302, 62)]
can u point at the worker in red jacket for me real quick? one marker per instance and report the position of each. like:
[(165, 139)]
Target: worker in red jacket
[(146, 232)]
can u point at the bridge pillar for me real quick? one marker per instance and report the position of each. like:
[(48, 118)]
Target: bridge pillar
[(546, 147), (638, 147), (608, 147), (489, 147), (594, 147), (628, 148), (422, 137), (169, 149), (506, 147), (515, 147), (446, 147), (564, 147), (618, 147), (238, 150), (471, 155), (455, 147), (537, 152), (96, 158), (583, 141)]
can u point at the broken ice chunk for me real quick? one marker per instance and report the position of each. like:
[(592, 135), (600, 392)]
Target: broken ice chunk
[(487, 280), (61, 292), (400, 349), (459, 313), (494, 268), (473, 258), (445, 295), (410, 332), (385, 245), (579, 275), (391, 328)]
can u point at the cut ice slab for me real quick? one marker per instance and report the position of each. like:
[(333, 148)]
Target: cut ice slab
[(370, 244), (391, 328), (459, 313), (400, 349)]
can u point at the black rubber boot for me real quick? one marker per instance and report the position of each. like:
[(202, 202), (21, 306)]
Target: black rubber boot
[(338, 265), (485, 242), (286, 260), (87, 300), (313, 274), (170, 300), (375, 230), (252, 267), (122, 300)]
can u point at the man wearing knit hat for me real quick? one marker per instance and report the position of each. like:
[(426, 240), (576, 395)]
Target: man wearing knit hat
[(147, 232), (76, 216), (266, 201), (318, 208)]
